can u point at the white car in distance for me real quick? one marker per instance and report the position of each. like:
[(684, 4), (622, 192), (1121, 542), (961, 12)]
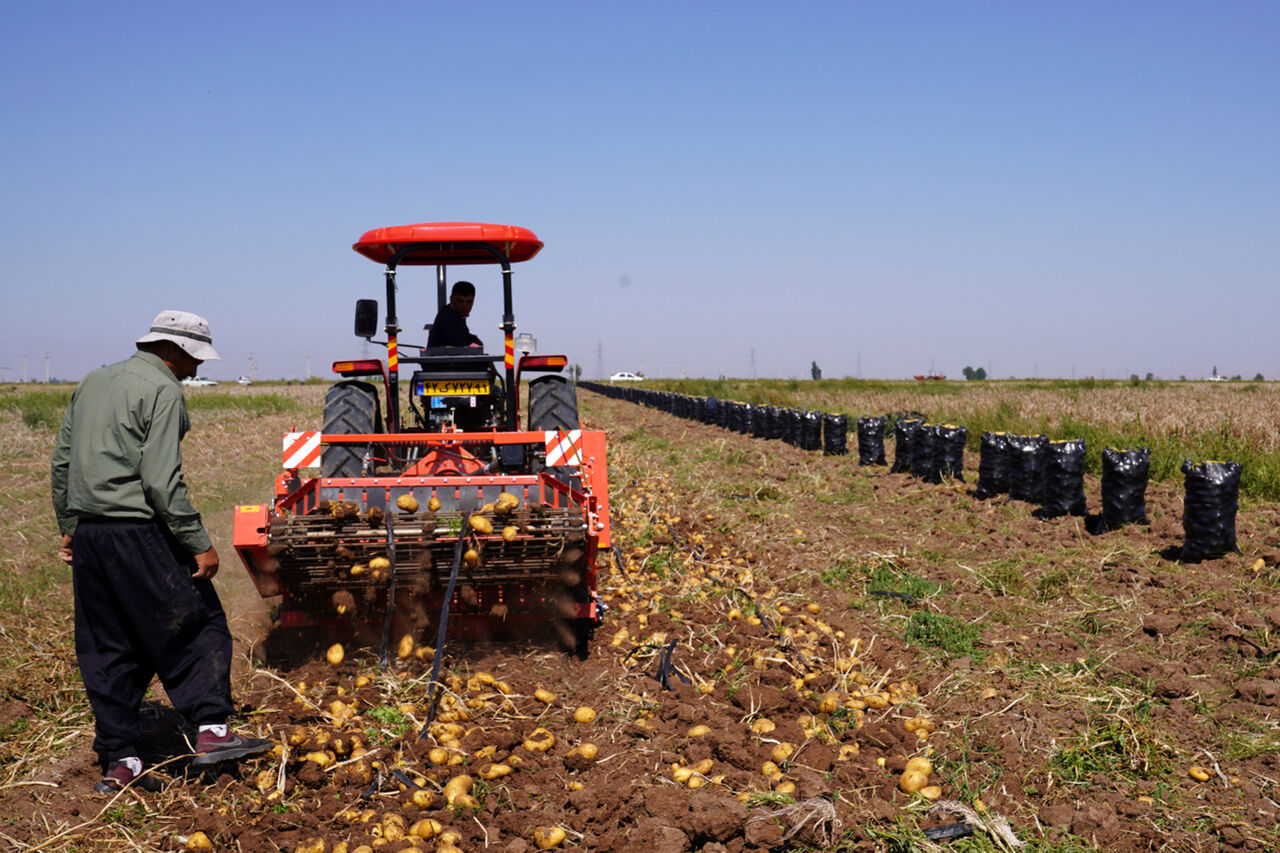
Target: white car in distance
[(199, 381), (625, 377)]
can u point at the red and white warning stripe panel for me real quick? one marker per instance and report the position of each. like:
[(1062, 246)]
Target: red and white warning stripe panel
[(301, 449), (564, 447)]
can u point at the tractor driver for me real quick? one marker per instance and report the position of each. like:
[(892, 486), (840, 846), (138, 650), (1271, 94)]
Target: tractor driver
[(450, 326)]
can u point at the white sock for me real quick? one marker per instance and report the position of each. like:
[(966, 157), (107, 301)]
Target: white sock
[(218, 730), (133, 762)]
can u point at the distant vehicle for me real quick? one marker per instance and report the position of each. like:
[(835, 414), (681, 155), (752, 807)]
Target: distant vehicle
[(626, 377), (928, 377), (1215, 378), (199, 381), (244, 380)]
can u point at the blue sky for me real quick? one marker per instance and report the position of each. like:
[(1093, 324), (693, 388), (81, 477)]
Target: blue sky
[(1052, 189)]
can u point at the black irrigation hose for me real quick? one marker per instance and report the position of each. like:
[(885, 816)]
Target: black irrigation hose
[(951, 830), (885, 593), (444, 626), (663, 675)]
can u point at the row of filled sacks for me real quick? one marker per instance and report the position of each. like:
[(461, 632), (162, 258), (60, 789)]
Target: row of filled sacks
[(1049, 473), (803, 429)]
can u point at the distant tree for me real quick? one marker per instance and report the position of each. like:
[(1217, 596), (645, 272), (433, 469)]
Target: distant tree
[(815, 371), (577, 372), (980, 373), (1150, 376), (1257, 377), (1215, 370), (1235, 378), (968, 372), (1182, 378)]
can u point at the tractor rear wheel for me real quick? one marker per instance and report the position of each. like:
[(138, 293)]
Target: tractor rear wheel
[(553, 404), (350, 408)]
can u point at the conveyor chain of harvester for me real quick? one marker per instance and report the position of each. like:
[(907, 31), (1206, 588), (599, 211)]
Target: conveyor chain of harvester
[(320, 550)]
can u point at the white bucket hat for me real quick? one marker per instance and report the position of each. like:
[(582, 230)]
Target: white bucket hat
[(187, 330)]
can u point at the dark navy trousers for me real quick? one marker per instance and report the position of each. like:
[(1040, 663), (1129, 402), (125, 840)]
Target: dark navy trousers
[(139, 614)]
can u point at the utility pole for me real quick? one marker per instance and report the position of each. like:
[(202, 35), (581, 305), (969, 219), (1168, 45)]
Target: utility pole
[(308, 367), (753, 363), (46, 367), (599, 360), (24, 367), (859, 365), (253, 369)]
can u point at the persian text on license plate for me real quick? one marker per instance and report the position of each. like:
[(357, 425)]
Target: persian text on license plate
[(446, 388)]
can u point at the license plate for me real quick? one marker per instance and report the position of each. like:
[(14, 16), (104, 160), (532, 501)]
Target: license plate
[(449, 388)]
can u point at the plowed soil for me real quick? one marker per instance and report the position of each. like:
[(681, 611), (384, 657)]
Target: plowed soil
[(1068, 683)]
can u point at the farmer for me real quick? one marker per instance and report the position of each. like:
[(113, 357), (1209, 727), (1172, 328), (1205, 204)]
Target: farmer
[(449, 329), (141, 560)]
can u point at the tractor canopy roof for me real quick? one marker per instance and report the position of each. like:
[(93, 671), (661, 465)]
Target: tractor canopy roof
[(449, 243)]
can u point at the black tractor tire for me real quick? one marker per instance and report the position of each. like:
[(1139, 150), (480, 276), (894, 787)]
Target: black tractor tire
[(350, 408), (553, 404)]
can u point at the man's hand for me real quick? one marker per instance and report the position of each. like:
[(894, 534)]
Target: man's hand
[(206, 565), (64, 550)]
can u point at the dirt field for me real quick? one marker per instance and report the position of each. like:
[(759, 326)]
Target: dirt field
[(833, 620)]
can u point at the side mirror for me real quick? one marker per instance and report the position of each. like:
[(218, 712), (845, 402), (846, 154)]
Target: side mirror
[(366, 318)]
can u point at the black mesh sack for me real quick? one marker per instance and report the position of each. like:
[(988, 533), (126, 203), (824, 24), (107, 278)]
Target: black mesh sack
[(948, 452), (905, 435), (760, 422), (712, 411), (1063, 479), (791, 427), (1209, 509), (922, 455), (748, 426), (993, 466), (773, 418), (1026, 467), (835, 434), (1124, 486), (871, 441), (811, 431)]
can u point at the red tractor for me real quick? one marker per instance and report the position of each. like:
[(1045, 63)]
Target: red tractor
[(436, 507)]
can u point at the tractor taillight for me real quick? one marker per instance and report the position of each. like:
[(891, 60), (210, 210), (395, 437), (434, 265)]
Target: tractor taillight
[(358, 367), (543, 362)]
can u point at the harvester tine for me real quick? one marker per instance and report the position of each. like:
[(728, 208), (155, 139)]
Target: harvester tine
[(391, 591), (444, 625)]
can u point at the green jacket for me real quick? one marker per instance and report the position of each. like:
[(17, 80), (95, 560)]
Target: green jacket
[(119, 450)]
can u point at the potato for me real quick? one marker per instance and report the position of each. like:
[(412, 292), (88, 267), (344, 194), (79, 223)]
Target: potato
[(782, 752), (547, 837), (494, 771), (335, 654), (506, 502), (546, 697), (480, 524), (588, 751), (357, 570), (539, 740), (423, 799), (406, 647), (762, 726), (198, 841), (1198, 773), (311, 845), (509, 533), (408, 503), (379, 564), (433, 504), (456, 787), (912, 780), (699, 731), (921, 764), (584, 715), (426, 828), (471, 558), (930, 792)]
